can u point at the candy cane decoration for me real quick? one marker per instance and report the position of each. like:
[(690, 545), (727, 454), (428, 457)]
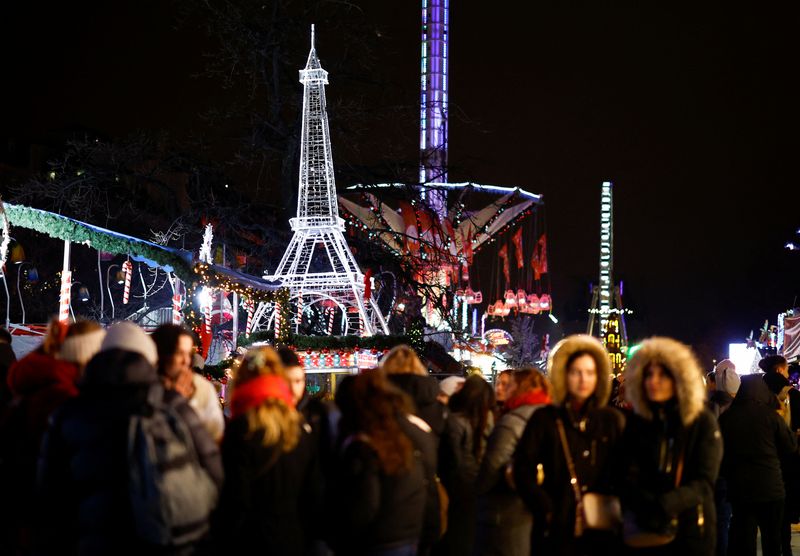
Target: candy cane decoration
[(277, 319), (66, 292), (329, 311), (250, 307), (207, 314), (127, 268), (176, 308), (300, 309)]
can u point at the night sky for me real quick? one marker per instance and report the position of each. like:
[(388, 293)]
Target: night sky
[(690, 112)]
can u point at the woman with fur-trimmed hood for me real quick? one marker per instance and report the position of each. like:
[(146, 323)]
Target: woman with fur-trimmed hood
[(671, 439), (580, 375)]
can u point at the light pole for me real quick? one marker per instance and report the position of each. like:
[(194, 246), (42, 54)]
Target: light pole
[(108, 287), (19, 291)]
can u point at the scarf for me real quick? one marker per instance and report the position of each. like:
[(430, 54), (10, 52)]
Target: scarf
[(253, 392), (531, 397)]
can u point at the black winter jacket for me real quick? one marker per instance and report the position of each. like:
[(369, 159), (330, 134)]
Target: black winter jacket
[(756, 437), (552, 500), (458, 469), (369, 509), (271, 499), (425, 441), (83, 500), (650, 454)]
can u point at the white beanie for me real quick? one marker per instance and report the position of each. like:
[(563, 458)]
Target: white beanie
[(450, 385), (82, 347), (126, 335), (727, 378)]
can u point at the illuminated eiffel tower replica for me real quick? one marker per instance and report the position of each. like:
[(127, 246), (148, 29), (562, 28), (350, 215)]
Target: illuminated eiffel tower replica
[(607, 315), (318, 267)]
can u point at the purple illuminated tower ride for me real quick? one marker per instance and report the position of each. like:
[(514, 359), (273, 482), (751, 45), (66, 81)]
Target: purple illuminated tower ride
[(433, 102)]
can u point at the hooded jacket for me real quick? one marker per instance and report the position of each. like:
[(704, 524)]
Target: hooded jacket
[(540, 468), (660, 439), (423, 391), (756, 437), (83, 502)]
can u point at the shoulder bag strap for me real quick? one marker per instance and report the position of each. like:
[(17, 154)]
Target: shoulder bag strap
[(679, 467), (576, 487)]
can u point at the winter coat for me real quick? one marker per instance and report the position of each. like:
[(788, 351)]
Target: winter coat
[(540, 468), (425, 442), (369, 509), (458, 470), (39, 384), (271, 499), (719, 402), (83, 501), (423, 391), (205, 403), (504, 523), (657, 438), (42, 383), (756, 437), (322, 417)]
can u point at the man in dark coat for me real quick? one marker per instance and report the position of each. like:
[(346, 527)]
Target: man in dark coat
[(755, 439), (84, 505)]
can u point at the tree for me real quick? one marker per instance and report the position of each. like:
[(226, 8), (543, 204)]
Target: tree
[(523, 351)]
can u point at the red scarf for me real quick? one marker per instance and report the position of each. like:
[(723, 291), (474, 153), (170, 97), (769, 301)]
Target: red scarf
[(532, 397), (253, 392)]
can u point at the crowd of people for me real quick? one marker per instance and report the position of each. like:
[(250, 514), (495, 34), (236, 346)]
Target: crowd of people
[(112, 444)]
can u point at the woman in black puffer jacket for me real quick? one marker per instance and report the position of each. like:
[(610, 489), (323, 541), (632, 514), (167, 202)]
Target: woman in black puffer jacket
[(671, 450), (580, 377)]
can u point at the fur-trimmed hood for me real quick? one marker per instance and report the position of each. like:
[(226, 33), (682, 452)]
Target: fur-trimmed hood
[(557, 366), (682, 365)]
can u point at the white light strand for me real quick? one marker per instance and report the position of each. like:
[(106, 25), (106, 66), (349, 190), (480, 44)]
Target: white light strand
[(205, 249)]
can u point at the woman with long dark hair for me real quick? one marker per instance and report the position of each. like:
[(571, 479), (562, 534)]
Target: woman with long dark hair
[(565, 451), (460, 455), (671, 450), (378, 501)]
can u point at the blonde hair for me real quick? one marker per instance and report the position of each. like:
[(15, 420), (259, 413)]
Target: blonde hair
[(276, 423), (402, 360)]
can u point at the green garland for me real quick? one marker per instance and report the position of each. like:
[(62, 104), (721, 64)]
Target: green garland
[(67, 229)]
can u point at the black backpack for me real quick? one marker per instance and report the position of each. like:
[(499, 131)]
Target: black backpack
[(172, 496)]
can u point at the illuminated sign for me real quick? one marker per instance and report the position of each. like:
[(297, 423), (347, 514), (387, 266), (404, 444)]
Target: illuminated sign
[(498, 337), (612, 340)]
